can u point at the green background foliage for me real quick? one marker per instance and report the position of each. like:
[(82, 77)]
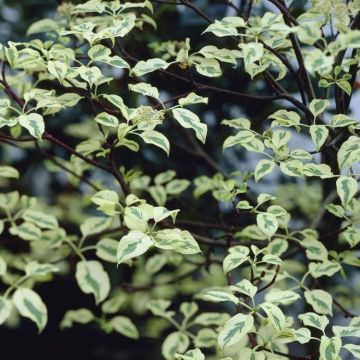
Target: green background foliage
[(179, 179)]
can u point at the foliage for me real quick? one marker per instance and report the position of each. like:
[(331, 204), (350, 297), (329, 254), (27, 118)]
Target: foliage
[(227, 268)]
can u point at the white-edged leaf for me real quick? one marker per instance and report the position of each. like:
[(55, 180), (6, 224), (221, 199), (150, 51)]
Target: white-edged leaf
[(145, 67), (346, 187), (34, 123), (218, 296), (319, 134), (175, 342), (235, 329), (238, 255), (124, 326), (318, 106), (314, 320), (267, 222), (106, 249), (95, 225), (189, 120), (93, 279), (145, 89), (5, 309), (134, 244), (29, 305), (320, 300), (107, 119), (275, 315), (8, 172), (263, 167), (40, 219), (330, 348), (81, 316), (156, 138)]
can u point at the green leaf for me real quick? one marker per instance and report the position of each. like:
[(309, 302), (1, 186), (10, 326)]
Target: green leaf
[(106, 249), (235, 329), (320, 300), (34, 123), (314, 320), (267, 223), (107, 119), (263, 168), (8, 172), (189, 120), (29, 304), (319, 134), (346, 187), (175, 342), (145, 67), (124, 326), (275, 315), (330, 348), (134, 244), (5, 309), (156, 138), (92, 279)]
